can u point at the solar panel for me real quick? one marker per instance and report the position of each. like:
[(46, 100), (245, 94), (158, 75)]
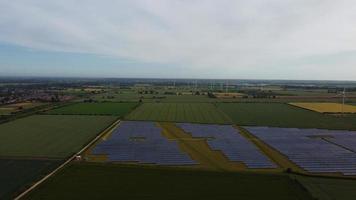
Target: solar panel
[(315, 150), (141, 142), (228, 139)]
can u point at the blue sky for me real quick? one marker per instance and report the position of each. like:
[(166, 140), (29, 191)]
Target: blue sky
[(256, 39)]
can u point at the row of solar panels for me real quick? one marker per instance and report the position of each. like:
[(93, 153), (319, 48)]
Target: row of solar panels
[(329, 152), (231, 143), (149, 146), (142, 142)]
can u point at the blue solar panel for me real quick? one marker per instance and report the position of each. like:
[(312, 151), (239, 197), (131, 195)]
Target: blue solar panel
[(141, 142), (227, 139), (334, 152)]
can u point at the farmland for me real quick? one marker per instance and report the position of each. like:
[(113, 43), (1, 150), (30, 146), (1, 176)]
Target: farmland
[(329, 188), (12, 108), (179, 112), (134, 96), (176, 139), (5, 111), (283, 115), (117, 109), (82, 181), (18, 174), (49, 135), (327, 107)]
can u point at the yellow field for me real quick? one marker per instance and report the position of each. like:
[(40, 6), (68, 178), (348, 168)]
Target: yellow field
[(327, 107)]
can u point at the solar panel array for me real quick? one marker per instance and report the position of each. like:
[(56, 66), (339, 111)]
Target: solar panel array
[(141, 142), (227, 139), (315, 150)]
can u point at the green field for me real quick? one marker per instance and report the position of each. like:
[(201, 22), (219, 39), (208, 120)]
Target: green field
[(16, 175), (49, 135), (284, 115), (329, 188), (179, 112), (134, 96), (117, 109), (105, 181)]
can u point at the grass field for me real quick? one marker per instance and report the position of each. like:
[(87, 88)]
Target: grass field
[(327, 107), (117, 109), (283, 115), (49, 135), (179, 112), (329, 188), (105, 181), (18, 174)]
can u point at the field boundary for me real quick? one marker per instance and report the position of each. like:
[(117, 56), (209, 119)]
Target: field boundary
[(23, 194), (28, 112)]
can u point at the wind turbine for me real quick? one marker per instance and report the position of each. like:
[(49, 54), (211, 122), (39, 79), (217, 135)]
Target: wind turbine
[(343, 96), (343, 100)]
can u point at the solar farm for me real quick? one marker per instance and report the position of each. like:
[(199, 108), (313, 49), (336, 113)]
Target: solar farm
[(227, 139), (177, 147), (142, 142), (314, 150)]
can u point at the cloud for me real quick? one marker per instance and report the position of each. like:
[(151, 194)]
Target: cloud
[(226, 37)]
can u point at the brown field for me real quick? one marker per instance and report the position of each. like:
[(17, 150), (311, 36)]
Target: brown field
[(228, 95), (10, 108), (326, 107)]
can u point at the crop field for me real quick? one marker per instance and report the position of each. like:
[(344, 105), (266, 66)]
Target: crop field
[(283, 115), (117, 109), (327, 107), (55, 136), (329, 188), (6, 111), (131, 96), (222, 95), (179, 112), (11, 108), (106, 181), (18, 174)]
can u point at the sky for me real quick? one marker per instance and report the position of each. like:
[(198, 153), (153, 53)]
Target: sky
[(235, 39)]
